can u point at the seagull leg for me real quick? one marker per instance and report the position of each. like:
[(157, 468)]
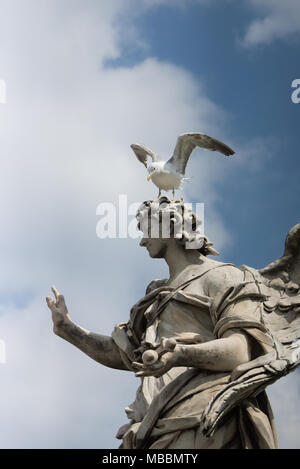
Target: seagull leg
[(159, 193), (173, 193)]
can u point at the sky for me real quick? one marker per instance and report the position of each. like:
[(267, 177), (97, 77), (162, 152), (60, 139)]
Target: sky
[(84, 80)]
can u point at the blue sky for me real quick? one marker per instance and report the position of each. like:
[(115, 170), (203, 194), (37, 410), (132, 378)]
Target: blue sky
[(84, 81), (253, 84)]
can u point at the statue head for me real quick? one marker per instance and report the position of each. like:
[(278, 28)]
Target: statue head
[(164, 221)]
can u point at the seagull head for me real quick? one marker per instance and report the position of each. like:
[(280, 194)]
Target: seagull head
[(153, 168)]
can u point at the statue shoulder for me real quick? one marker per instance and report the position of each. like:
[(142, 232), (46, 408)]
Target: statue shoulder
[(213, 277), (221, 276), (156, 283)]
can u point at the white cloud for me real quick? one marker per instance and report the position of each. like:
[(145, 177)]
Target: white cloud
[(66, 127), (284, 398), (278, 20), (172, 3)]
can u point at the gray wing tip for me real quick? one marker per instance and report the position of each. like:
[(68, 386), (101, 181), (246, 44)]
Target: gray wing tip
[(229, 152), (223, 148)]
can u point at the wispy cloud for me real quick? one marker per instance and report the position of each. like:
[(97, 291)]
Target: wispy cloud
[(276, 20), (284, 397), (65, 144)]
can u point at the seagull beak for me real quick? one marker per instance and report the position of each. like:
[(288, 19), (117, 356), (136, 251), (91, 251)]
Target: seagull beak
[(149, 177)]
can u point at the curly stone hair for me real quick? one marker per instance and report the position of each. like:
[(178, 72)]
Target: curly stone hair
[(183, 223)]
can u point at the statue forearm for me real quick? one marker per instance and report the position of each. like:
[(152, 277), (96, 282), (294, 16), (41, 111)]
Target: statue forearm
[(217, 355), (99, 347)]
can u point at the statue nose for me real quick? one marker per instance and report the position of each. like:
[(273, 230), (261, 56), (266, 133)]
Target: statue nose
[(143, 242)]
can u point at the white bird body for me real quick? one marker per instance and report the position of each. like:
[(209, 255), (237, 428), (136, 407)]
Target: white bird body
[(168, 175), (163, 176)]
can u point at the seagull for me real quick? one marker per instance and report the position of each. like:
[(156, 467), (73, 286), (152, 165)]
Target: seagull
[(169, 175)]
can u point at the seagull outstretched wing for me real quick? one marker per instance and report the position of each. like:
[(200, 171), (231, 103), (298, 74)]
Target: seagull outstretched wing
[(186, 143), (142, 153)]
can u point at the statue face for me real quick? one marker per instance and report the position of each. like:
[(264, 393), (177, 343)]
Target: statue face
[(156, 246)]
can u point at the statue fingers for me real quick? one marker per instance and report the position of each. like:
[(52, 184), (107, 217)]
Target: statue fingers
[(55, 292), (143, 373), (50, 302), (157, 369), (155, 373), (139, 366), (58, 297)]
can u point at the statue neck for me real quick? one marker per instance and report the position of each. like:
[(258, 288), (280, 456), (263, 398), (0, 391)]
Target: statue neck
[(179, 259)]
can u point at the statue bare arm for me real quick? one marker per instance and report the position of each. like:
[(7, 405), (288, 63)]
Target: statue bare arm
[(99, 347), (223, 354)]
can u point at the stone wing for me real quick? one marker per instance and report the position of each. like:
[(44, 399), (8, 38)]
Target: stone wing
[(282, 309), (279, 283)]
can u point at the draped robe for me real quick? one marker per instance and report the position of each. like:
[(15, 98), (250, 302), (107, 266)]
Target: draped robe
[(167, 411)]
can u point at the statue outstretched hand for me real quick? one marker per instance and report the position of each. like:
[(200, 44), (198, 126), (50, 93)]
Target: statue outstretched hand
[(159, 361), (60, 315), (99, 347), (157, 369)]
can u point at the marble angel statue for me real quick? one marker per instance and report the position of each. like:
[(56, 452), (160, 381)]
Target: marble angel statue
[(205, 342)]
